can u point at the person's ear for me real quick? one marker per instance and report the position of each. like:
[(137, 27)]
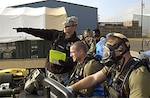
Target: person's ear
[(81, 51)]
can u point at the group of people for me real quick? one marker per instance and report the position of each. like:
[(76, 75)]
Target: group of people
[(83, 74), (90, 40)]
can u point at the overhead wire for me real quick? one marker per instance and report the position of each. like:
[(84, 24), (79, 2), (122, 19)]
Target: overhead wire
[(125, 14), (129, 13)]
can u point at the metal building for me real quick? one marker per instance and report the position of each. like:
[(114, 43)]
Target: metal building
[(88, 17), (31, 49)]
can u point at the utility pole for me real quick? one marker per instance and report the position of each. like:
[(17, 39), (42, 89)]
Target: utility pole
[(142, 5)]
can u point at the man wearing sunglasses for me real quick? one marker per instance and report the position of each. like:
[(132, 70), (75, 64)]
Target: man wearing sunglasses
[(128, 78), (62, 41)]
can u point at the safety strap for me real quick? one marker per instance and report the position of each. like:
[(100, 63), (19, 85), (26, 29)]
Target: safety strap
[(56, 41), (75, 76), (121, 79)]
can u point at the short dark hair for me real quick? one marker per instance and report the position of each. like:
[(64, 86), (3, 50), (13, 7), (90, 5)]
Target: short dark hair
[(80, 45), (87, 29), (97, 31)]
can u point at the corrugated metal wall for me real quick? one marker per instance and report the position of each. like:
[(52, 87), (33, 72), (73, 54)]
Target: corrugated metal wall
[(87, 15)]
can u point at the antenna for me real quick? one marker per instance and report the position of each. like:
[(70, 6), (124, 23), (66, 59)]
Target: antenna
[(142, 5)]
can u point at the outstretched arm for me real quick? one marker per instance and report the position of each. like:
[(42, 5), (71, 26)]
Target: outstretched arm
[(89, 81), (47, 34)]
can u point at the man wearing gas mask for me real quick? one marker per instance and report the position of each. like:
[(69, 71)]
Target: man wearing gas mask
[(128, 77)]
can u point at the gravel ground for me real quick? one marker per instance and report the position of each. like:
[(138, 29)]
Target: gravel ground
[(136, 44)]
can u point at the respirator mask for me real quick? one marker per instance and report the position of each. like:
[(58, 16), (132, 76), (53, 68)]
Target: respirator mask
[(109, 57)]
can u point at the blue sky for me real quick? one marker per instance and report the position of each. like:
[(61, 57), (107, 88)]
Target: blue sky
[(116, 10), (108, 10)]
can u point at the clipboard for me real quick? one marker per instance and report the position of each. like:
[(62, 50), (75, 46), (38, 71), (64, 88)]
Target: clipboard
[(55, 56)]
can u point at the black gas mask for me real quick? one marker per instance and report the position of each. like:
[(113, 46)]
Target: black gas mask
[(109, 58)]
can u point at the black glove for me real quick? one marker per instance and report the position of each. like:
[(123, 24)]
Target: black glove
[(62, 63), (20, 29), (67, 62)]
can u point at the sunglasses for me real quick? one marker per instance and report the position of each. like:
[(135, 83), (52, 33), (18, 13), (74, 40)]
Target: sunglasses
[(67, 26)]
